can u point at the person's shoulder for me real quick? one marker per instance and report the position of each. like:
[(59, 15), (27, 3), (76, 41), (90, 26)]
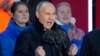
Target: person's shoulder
[(63, 30), (24, 34), (27, 34), (5, 33), (94, 34), (29, 29)]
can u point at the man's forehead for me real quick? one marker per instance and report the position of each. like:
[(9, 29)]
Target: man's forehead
[(46, 6), (48, 10)]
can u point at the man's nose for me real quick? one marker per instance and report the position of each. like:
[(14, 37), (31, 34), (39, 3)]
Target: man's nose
[(50, 17)]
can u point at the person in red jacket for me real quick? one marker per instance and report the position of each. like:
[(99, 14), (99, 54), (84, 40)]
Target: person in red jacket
[(4, 13)]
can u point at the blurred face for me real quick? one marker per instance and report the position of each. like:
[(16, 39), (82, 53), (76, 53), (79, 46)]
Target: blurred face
[(64, 14), (21, 15), (46, 15)]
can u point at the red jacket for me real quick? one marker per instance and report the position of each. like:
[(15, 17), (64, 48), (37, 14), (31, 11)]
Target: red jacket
[(4, 17)]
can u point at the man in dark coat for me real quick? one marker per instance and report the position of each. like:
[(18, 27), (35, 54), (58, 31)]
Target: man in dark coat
[(91, 44), (44, 38)]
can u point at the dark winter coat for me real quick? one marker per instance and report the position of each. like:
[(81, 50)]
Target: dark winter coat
[(91, 44), (31, 38)]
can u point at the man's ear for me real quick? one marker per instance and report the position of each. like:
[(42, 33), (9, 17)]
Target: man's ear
[(37, 14)]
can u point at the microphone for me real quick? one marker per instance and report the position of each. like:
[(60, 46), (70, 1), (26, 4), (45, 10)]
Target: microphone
[(60, 38), (55, 37), (57, 48), (73, 20), (50, 37)]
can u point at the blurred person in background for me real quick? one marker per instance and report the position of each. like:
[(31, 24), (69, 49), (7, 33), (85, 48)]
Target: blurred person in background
[(5, 14), (91, 44), (32, 7), (67, 22), (18, 22), (16, 0)]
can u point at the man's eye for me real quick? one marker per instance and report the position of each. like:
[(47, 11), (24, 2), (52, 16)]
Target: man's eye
[(47, 13)]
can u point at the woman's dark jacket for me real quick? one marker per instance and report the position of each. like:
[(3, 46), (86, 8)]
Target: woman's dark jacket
[(31, 38)]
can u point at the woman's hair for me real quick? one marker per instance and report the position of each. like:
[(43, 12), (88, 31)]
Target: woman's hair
[(15, 5), (61, 4)]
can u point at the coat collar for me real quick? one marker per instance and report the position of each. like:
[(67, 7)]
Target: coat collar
[(40, 27)]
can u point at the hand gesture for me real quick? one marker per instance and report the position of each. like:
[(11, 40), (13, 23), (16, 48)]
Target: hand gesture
[(71, 34), (39, 51), (79, 34), (73, 50)]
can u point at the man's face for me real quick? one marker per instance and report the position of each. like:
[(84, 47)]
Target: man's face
[(64, 14), (46, 16)]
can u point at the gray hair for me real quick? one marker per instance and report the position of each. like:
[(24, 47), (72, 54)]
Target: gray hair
[(42, 4)]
